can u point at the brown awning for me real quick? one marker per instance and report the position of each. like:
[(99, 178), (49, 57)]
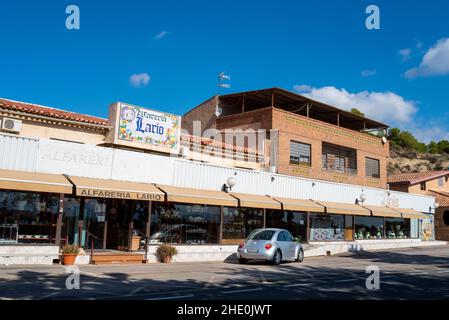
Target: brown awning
[(256, 201), (411, 214), (381, 211), (35, 182), (300, 205), (197, 196), (344, 208), (103, 188)]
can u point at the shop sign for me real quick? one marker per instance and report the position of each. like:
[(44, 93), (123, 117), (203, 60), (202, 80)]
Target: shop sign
[(144, 128), (391, 201), (93, 193)]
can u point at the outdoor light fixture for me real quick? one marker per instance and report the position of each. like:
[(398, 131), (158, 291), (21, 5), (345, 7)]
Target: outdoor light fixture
[(230, 182), (435, 207), (361, 198)]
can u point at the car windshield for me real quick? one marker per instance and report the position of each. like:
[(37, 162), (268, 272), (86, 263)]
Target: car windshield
[(261, 235)]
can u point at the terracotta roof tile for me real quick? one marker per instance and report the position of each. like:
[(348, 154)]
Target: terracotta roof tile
[(416, 177), (50, 112), (442, 197)]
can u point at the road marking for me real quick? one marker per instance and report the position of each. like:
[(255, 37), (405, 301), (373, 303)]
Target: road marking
[(296, 285), (347, 280), (243, 290), (419, 274), (443, 271), (173, 297)]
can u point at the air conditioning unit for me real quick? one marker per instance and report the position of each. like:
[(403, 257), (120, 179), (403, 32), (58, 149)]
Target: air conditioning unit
[(11, 125)]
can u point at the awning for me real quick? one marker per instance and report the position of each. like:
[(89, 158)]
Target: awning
[(102, 188), (381, 211), (411, 214), (256, 201), (300, 205), (187, 195), (35, 182), (344, 208)]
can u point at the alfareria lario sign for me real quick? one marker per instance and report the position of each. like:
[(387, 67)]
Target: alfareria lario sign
[(96, 193), (143, 128)]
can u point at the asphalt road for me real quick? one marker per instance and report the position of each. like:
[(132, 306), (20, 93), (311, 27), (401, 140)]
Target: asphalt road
[(417, 273)]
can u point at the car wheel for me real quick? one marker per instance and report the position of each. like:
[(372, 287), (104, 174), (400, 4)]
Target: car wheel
[(243, 261), (277, 258), (300, 257)]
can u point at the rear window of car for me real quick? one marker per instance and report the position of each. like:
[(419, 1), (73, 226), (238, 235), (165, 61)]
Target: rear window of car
[(261, 235)]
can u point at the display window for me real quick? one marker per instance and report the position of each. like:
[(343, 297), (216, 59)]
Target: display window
[(325, 227), (185, 223), (293, 221), (397, 228), (368, 228), (238, 223), (27, 217)]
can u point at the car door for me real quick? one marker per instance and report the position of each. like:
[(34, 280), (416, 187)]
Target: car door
[(282, 244), (291, 244)]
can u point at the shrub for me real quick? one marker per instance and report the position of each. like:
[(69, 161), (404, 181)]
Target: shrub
[(70, 249), (166, 250)]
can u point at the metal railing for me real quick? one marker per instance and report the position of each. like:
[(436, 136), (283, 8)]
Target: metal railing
[(338, 169), (92, 238)]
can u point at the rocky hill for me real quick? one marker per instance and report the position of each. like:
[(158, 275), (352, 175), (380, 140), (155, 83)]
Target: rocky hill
[(405, 160)]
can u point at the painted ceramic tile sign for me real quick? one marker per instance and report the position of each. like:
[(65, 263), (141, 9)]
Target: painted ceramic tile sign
[(149, 127)]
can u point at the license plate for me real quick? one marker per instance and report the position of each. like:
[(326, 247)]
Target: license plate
[(253, 251)]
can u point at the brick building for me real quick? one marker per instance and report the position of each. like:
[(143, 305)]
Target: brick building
[(301, 137), (432, 183)]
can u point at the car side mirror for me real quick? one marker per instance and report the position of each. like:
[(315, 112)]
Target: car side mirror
[(296, 239)]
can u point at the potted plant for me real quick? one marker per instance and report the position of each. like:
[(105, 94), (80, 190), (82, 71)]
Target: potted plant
[(165, 252), (69, 254)]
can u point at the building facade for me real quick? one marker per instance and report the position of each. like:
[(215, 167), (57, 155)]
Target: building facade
[(433, 183), (158, 184)]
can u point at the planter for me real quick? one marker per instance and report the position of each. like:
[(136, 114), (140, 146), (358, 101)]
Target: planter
[(68, 259), (166, 259)]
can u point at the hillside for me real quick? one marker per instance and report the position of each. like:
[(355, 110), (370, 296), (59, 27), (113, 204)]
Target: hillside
[(406, 160)]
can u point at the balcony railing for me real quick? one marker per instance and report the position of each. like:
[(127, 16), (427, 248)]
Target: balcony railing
[(338, 169)]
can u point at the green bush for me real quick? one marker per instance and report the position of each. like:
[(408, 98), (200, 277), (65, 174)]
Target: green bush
[(70, 249), (166, 250)]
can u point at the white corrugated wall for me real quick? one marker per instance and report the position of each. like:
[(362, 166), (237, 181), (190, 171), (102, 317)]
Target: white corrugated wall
[(18, 153)]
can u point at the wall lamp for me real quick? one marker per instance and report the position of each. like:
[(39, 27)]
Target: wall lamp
[(361, 198), (230, 182)]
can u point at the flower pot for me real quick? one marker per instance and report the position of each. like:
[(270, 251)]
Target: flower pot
[(68, 259), (166, 259)]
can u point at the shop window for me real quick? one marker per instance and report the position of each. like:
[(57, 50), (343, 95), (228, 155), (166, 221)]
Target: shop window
[(238, 223), (368, 227), (185, 223), (397, 228), (441, 182), (293, 221), (446, 217), (372, 168), (70, 221), (28, 217), (326, 227), (300, 153)]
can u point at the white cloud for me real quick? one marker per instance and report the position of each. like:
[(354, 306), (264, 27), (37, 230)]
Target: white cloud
[(405, 54), (161, 35), (368, 72), (429, 133), (139, 80), (386, 106), (434, 63)]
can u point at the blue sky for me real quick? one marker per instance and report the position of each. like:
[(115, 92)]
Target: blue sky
[(318, 48)]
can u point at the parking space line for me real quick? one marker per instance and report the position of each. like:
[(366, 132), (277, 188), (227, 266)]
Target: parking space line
[(347, 280), (243, 290), (296, 285), (172, 297)]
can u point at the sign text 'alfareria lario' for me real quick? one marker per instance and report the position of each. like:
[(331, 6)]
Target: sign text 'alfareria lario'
[(144, 128)]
